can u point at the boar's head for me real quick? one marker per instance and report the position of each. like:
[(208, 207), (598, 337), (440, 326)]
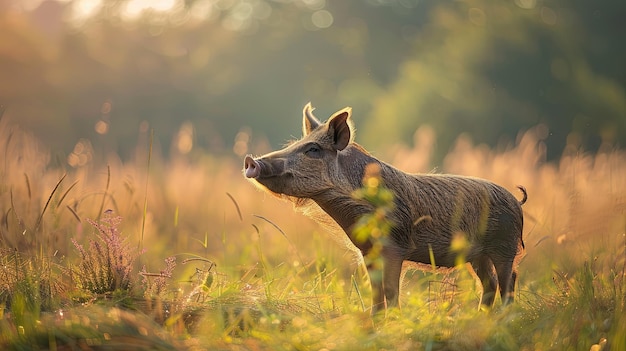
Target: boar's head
[(309, 166)]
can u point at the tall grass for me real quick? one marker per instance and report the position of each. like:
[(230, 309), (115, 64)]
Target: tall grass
[(228, 267)]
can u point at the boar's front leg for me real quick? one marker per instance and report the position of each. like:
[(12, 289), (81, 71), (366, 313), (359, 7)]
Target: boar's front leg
[(386, 289)]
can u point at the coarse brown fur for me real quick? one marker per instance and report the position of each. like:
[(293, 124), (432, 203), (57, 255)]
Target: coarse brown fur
[(320, 172)]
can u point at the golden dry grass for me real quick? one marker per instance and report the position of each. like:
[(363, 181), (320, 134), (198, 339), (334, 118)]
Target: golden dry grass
[(200, 205)]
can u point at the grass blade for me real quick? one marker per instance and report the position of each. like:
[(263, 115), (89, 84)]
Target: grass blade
[(273, 224), (236, 206), (145, 199), (358, 292), (106, 191), (56, 187), (17, 218), (28, 186), (66, 192), (74, 213)]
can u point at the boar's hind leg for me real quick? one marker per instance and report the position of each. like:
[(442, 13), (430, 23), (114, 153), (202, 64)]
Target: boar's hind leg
[(486, 273), (506, 279), (509, 296)]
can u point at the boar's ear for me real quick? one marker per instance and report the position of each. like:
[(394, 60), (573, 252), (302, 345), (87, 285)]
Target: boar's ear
[(309, 122), (340, 129)]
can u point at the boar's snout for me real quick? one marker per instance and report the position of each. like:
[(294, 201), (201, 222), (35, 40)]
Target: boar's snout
[(252, 168)]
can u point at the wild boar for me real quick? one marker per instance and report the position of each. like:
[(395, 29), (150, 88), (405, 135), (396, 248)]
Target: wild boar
[(322, 170)]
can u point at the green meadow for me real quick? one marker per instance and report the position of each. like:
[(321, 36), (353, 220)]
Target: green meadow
[(126, 222), (184, 253)]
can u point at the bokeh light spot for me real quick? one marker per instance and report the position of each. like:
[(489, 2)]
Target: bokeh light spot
[(242, 139), (81, 155), (315, 4), (548, 15), (134, 8), (477, 16), (184, 141), (526, 4), (322, 19), (106, 107), (101, 127), (83, 9)]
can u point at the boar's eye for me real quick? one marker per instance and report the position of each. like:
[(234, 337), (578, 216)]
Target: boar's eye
[(313, 150)]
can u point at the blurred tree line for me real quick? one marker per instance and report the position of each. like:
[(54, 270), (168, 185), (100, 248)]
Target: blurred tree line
[(220, 68)]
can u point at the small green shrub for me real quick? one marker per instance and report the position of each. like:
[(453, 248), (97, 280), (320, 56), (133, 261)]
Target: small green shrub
[(107, 265)]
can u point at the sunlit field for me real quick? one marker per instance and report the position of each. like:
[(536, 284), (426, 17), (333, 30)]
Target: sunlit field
[(185, 253)]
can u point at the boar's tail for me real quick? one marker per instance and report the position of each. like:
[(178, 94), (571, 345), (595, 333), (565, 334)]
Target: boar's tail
[(521, 202), (525, 195)]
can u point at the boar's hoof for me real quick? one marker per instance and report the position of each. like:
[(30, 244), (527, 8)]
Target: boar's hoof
[(252, 168)]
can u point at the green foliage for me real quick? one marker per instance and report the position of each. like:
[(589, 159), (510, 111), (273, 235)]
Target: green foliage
[(29, 283), (311, 306), (485, 68), (88, 328), (587, 307), (375, 226)]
